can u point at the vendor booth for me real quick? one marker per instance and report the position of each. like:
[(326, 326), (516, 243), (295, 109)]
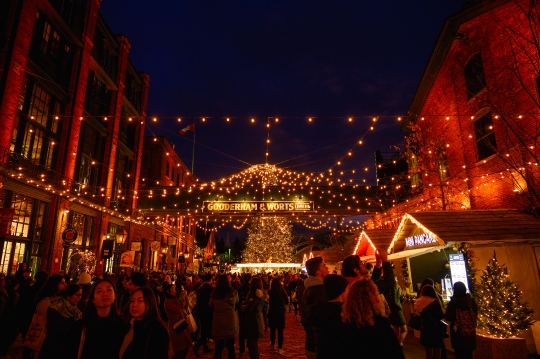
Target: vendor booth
[(370, 240), (441, 245)]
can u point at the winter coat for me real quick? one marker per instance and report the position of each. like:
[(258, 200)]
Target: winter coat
[(150, 341), (432, 330), (314, 293), (101, 332), (330, 332), (175, 313), (253, 317), (460, 342), (372, 342), (59, 322), (276, 311), (202, 309), (224, 321)]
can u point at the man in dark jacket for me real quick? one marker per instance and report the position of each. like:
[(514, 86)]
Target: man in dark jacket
[(325, 319), (314, 293), (204, 312), (243, 291)]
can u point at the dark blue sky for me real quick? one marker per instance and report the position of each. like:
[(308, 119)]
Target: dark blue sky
[(291, 59)]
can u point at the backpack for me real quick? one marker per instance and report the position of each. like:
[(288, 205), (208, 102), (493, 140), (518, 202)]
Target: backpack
[(465, 322)]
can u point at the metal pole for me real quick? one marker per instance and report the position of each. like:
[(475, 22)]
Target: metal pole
[(193, 154)]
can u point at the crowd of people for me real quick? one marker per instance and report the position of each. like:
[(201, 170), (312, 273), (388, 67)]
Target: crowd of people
[(159, 316)]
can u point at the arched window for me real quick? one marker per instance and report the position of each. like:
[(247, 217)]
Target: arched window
[(485, 137), (474, 75)]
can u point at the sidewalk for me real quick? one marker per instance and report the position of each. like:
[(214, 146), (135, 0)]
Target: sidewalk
[(293, 345)]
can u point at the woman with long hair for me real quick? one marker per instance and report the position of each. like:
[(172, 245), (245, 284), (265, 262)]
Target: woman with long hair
[(276, 312), (369, 330), (253, 316), (61, 315), (462, 312), (433, 331), (101, 325), (147, 336), (224, 321), (50, 291), (181, 341)]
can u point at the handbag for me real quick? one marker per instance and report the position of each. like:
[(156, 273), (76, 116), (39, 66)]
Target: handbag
[(36, 332), (415, 321), (180, 326), (192, 324)]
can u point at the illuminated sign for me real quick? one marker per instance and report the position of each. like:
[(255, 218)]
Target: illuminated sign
[(419, 240), (244, 206), (458, 269)]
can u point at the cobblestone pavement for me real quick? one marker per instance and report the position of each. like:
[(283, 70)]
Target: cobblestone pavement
[(293, 345)]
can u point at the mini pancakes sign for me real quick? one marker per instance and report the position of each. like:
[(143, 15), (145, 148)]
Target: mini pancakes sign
[(419, 240), (259, 206)]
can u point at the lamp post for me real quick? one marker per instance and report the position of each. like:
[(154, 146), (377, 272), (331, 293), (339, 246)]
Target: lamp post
[(120, 239)]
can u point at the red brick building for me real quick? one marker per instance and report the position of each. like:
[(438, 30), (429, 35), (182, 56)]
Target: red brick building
[(162, 167), (72, 115), (475, 114)]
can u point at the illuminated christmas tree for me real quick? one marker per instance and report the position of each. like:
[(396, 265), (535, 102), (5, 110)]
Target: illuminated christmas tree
[(500, 309), (269, 240)]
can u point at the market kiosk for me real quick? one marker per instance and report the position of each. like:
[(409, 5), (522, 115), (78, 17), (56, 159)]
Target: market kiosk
[(431, 244), (371, 239)]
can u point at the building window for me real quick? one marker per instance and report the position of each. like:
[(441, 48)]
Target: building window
[(167, 169), (442, 161), (23, 213), (474, 75), (485, 136), (83, 224), (90, 148), (41, 128)]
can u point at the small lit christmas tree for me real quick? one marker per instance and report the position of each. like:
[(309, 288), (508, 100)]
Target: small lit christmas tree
[(269, 240), (79, 262), (500, 309)]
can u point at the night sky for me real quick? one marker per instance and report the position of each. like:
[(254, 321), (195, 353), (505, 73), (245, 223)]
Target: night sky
[(329, 60)]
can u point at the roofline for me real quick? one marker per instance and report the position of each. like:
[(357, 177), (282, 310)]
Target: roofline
[(441, 49)]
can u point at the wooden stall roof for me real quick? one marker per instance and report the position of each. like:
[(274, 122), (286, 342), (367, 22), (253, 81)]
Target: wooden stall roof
[(474, 226), (380, 238)]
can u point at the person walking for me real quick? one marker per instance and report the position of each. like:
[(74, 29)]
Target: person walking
[(396, 317), (204, 314), (61, 315), (313, 293), (253, 316), (433, 330), (462, 313), (276, 312), (37, 331), (243, 291), (175, 309), (325, 319), (223, 301), (147, 337)]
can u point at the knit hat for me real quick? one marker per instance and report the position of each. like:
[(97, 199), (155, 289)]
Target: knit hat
[(85, 278)]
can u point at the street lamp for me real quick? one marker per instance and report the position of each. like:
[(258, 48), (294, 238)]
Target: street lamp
[(120, 239)]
